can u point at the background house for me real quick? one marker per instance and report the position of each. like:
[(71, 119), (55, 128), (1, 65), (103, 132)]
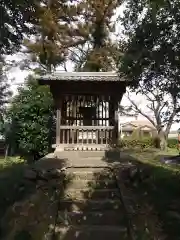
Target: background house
[(127, 124), (145, 128)]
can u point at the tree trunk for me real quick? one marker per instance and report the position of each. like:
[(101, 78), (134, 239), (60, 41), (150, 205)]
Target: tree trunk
[(163, 144), (6, 152), (163, 140)]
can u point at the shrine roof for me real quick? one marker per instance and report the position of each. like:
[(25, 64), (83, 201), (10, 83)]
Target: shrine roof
[(81, 76)]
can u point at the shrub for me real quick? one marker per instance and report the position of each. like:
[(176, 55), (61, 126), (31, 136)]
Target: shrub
[(137, 143), (172, 143), (31, 113)]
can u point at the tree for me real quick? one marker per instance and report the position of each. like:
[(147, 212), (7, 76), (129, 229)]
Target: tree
[(99, 52), (56, 33), (152, 50), (164, 109), (151, 57), (5, 95), (5, 92), (17, 17), (80, 32), (31, 114)]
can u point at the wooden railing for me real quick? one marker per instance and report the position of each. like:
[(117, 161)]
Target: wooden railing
[(86, 134)]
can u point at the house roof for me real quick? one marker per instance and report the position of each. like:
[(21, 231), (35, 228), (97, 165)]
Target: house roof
[(81, 76), (141, 123), (129, 126)]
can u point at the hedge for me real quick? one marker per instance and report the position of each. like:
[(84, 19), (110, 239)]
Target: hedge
[(137, 143), (145, 143), (172, 143)]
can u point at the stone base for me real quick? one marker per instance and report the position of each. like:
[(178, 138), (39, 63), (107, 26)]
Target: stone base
[(80, 147), (110, 156)]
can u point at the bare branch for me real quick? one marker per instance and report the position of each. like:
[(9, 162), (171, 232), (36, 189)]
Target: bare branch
[(162, 107), (65, 67), (140, 111), (173, 114)]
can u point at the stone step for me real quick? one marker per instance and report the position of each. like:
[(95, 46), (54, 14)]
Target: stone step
[(92, 184), (91, 233), (95, 194), (95, 169), (79, 154), (109, 218), (90, 205), (88, 174)]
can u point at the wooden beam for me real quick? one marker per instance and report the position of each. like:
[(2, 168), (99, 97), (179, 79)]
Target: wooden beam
[(87, 127), (87, 88), (81, 118)]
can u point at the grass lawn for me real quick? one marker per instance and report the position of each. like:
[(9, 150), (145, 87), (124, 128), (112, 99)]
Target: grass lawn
[(12, 187), (155, 195)]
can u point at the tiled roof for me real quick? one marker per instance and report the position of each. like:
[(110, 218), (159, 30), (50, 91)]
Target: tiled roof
[(140, 123), (136, 124), (82, 76)]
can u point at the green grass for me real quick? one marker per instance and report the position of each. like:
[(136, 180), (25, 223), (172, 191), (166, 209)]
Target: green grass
[(9, 162), (160, 191)]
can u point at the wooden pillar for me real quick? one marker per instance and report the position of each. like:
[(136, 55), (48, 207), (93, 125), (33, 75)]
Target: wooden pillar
[(114, 119), (116, 122), (58, 122)]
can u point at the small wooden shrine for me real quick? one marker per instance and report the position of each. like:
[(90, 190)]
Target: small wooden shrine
[(87, 108)]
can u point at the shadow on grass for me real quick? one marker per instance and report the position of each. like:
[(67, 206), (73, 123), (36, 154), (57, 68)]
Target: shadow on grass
[(29, 199), (152, 191)]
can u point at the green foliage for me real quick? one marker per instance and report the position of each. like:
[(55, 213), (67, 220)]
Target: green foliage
[(135, 134), (15, 14), (172, 143), (100, 53), (31, 114), (5, 93), (141, 143), (80, 32), (151, 60), (153, 49), (55, 33)]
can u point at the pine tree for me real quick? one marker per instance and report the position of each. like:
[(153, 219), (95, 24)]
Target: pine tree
[(55, 33), (102, 53), (65, 30)]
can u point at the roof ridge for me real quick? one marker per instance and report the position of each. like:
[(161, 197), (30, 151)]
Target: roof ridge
[(81, 76)]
